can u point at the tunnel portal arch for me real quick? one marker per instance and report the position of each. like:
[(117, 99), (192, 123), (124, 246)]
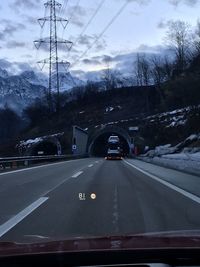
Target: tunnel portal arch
[(43, 146), (46, 147), (98, 141)]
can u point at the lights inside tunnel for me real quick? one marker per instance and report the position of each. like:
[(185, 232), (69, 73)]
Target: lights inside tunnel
[(99, 147)]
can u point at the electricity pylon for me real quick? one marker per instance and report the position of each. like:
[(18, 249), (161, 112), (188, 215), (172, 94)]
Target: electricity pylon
[(53, 42)]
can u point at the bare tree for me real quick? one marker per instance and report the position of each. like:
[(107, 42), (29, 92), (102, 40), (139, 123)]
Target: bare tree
[(142, 70), (138, 70), (143, 76), (168, 68), (158, 75), (108, 75), (196, 39), (179, 37), (146, 70), (157, 70)]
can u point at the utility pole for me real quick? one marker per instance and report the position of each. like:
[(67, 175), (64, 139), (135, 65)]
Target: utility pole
[(53, 42)]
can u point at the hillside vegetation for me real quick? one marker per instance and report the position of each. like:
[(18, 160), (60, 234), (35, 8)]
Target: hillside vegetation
[(164, 104)]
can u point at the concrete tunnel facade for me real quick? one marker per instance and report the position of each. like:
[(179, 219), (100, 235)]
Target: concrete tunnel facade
[(98, 141)]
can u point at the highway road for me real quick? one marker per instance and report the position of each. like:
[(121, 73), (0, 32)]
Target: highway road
[(95, 197)]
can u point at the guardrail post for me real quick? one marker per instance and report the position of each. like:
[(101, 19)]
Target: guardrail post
[(26, 163), (2, 166), (14, 165)]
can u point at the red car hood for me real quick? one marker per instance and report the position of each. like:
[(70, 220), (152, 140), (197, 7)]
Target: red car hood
[(38, 244)]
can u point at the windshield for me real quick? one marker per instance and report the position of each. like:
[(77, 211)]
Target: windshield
[(99, 120)]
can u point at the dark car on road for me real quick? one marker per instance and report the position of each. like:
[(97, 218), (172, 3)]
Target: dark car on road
[(114, 154)]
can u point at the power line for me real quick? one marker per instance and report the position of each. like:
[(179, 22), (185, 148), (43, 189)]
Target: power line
[(91, 19), (102, 33), (72, 13), (62, 10), (75, 9), (88, 23), (41, 34)]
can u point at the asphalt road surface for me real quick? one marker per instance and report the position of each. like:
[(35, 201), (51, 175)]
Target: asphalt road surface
[(95, 197)]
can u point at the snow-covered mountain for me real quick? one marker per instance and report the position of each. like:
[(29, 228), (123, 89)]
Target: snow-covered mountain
[(16, 92), (35, 78), (19, 91), (3, 73), (67, 81)]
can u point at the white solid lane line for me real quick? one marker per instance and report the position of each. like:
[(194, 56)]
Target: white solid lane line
[(4, 228), (77, 174), (41, 166), (91, 165), (174, 187)]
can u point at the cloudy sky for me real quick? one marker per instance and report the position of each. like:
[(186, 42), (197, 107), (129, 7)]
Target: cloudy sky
[(134, 26)]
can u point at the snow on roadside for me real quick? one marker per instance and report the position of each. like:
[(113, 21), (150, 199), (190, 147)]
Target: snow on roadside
[(178, 162), (180, 157), (28, 143)]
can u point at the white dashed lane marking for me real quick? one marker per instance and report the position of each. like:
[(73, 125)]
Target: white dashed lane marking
[(91, 165), (77, 174)]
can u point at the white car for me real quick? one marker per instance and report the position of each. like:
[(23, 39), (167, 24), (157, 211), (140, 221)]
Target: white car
[(113, 139)]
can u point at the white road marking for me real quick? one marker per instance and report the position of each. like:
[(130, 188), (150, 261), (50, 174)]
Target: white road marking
[(174, 187), (77, 174), (41, 166), (4, 228), (91, 165), (96, 161)]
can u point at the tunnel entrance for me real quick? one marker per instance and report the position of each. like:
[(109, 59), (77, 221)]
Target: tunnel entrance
[(100, 146), (45, 148)]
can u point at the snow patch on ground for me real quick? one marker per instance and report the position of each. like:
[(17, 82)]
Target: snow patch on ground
[(109, 109), (28, 143), (181, 157), (180, 162)]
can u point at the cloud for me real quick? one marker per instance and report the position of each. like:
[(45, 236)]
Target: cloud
[(173, 2), (5, 64), (18, 5), (27, 56), (9, 28), (186, 2), (162, 24), (76, 14), (88, 40), (30, 19), (124, 62), (15, 44), (91, 61), (14, 68), (140, 2), (23, 66)]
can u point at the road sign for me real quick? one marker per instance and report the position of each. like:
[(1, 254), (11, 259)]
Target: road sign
[(74, 147)]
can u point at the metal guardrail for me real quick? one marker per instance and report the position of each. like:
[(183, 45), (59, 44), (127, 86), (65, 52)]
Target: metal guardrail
[(15, 162)]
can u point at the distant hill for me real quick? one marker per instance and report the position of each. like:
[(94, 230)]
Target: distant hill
[(20, 91)]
